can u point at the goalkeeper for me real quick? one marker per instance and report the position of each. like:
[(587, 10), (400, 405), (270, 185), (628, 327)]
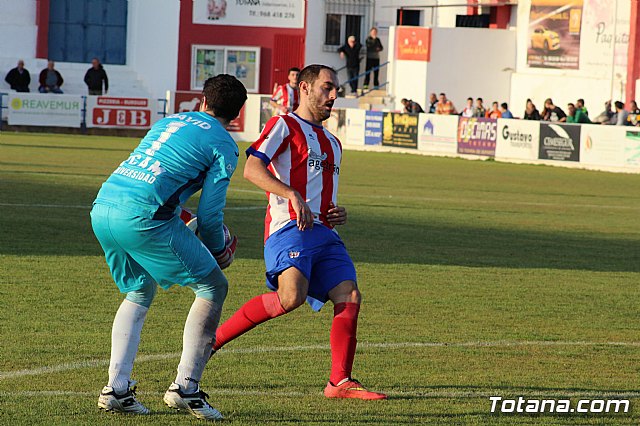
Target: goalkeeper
[(136, 219)]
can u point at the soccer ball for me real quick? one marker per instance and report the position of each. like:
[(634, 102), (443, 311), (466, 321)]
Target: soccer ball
[(192, 224)]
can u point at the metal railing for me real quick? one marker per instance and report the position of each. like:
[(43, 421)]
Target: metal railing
[(356, 78)]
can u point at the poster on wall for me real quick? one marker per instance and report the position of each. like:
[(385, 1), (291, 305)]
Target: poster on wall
[(250, 13), (240, 61), (477, 136), (554, 34), (559, 142), (437, 133), (400, 130), (413, 44), (373, 127), (631, 152)]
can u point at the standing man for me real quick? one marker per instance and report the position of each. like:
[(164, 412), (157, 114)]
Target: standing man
[(286, 97), (297, 162), (94, 78), (136, 220), (19, 78), (374, 47), (351, 51), (50, 79)]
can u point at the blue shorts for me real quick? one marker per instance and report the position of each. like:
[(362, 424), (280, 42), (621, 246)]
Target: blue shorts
[(142, 251), (318, 253)]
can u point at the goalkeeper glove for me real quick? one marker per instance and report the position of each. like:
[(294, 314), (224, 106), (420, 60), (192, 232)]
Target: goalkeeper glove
[(225, 256)]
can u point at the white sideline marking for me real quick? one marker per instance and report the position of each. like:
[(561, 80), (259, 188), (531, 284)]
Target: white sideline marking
[(71, 206), (259, 350), (435, 393)]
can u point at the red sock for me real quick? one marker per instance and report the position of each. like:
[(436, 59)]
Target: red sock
[(255, 311), (343, 340)]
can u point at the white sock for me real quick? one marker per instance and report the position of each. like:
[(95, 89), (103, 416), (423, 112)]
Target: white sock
[(125, 338), (197, 341)]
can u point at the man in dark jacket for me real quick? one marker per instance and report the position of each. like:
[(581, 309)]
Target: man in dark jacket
[(351, 51), (374, 47), (94, 78), (50, 79), (19, 78)]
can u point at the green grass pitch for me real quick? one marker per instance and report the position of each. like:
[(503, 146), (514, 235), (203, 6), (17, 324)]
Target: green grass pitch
[(479, 278)]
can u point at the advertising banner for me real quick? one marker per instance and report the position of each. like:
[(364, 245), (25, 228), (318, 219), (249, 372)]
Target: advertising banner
[(400, 130), (242, 62), (631, 153), (373, 128), (559, 142), (477, 136), (602, 145), (413, 44), (110, 112), (336, 123), (554, 34), (437, 133), (26, 109), (518, 139), (355, 127), (250, 13)]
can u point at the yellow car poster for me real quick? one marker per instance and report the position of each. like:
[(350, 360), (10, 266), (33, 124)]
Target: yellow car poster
[(554, 34)]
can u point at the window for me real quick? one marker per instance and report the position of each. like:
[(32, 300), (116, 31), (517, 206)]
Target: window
[(345, 18)]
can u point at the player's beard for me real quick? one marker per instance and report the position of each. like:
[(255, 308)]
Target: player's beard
[(318, 110)]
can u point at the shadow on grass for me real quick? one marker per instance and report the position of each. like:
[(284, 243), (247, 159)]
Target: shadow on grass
[(67, 231)]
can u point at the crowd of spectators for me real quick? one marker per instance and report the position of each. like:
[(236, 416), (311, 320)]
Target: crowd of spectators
[(50, 79), (576, 112)]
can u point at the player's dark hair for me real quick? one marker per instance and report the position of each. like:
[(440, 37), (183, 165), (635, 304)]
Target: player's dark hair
[(310, 73), (619, 105), (504, 105), (296, 69), (225, 95)]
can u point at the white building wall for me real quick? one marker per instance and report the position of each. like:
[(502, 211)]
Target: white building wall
[(152, 43), (18, 29)]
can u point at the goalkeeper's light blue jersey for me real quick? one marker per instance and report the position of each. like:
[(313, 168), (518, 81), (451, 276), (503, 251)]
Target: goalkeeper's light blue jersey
[(180, 155)]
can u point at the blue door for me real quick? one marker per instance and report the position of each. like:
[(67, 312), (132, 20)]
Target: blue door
[(80, 30)]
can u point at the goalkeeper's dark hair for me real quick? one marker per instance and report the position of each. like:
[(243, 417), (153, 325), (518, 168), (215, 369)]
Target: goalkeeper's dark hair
[(310, 73), (225, 96)]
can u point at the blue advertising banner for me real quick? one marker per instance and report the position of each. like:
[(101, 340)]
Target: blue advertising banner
[(373, 128)]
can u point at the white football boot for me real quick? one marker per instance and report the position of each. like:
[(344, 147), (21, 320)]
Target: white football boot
[(125, 403), (195, 403)]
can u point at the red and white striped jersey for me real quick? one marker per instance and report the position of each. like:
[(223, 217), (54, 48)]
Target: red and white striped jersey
[(287, 96), (304, 156)]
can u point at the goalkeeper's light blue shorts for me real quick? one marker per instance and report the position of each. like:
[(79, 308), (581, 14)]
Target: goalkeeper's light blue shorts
[(318, 253), (142, 251)]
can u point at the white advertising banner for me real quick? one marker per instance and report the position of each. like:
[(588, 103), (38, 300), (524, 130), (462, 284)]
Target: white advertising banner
[(35, 109), (438, 133), (631, 152), (250, 13), (355, 126), (602, 145), (131, 113), (518, 139)]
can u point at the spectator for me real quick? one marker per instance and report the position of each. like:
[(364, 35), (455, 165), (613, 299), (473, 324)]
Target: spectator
[(374, 47), (620, 116), (433, 101), (411, 106), (50, 79), (94, 78), (552, 112), (504, 111), (576, 115), (531, 112), (286, 96), (19, 78), (468, 110), (351, 51), (604, 116), (634, 114), (581, 107), (480, 110), (445, 106), (494, 112)]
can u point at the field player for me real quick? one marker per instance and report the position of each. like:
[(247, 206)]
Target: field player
[(297, 162), (136, 220), (286, 97)]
